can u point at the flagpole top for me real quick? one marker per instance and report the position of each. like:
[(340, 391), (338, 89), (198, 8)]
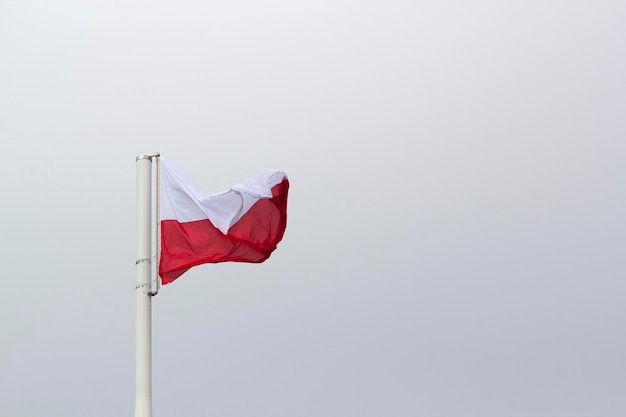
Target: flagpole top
[(148, 156)]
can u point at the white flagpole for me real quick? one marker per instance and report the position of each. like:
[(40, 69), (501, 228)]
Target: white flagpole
[(143, 323)]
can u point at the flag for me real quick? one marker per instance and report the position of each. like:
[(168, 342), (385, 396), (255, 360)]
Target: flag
[(243, 224)]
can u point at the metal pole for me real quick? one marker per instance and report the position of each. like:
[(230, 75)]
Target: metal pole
[(143, 323)]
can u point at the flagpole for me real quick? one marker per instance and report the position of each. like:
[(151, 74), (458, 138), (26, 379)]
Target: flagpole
[(143, 323)]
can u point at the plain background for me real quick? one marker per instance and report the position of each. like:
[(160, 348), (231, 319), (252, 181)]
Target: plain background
[(456, 235)]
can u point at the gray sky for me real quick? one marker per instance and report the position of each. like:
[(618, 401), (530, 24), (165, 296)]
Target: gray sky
[(456, 234)]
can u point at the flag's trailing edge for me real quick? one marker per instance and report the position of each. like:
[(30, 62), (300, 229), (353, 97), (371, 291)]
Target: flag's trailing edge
[(243, 224)]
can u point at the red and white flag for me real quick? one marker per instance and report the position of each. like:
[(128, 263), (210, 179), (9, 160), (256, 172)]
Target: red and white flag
[(243, 224)]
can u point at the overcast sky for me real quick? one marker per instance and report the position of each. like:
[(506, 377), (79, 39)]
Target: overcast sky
[(456, 236)]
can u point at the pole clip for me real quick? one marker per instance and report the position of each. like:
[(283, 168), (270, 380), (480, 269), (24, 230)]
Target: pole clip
[(148, 156)]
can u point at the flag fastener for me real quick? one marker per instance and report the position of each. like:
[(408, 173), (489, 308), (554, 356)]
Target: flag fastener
[(148, 156)]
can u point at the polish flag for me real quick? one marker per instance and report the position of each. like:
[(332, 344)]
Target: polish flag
[(243, 224)]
